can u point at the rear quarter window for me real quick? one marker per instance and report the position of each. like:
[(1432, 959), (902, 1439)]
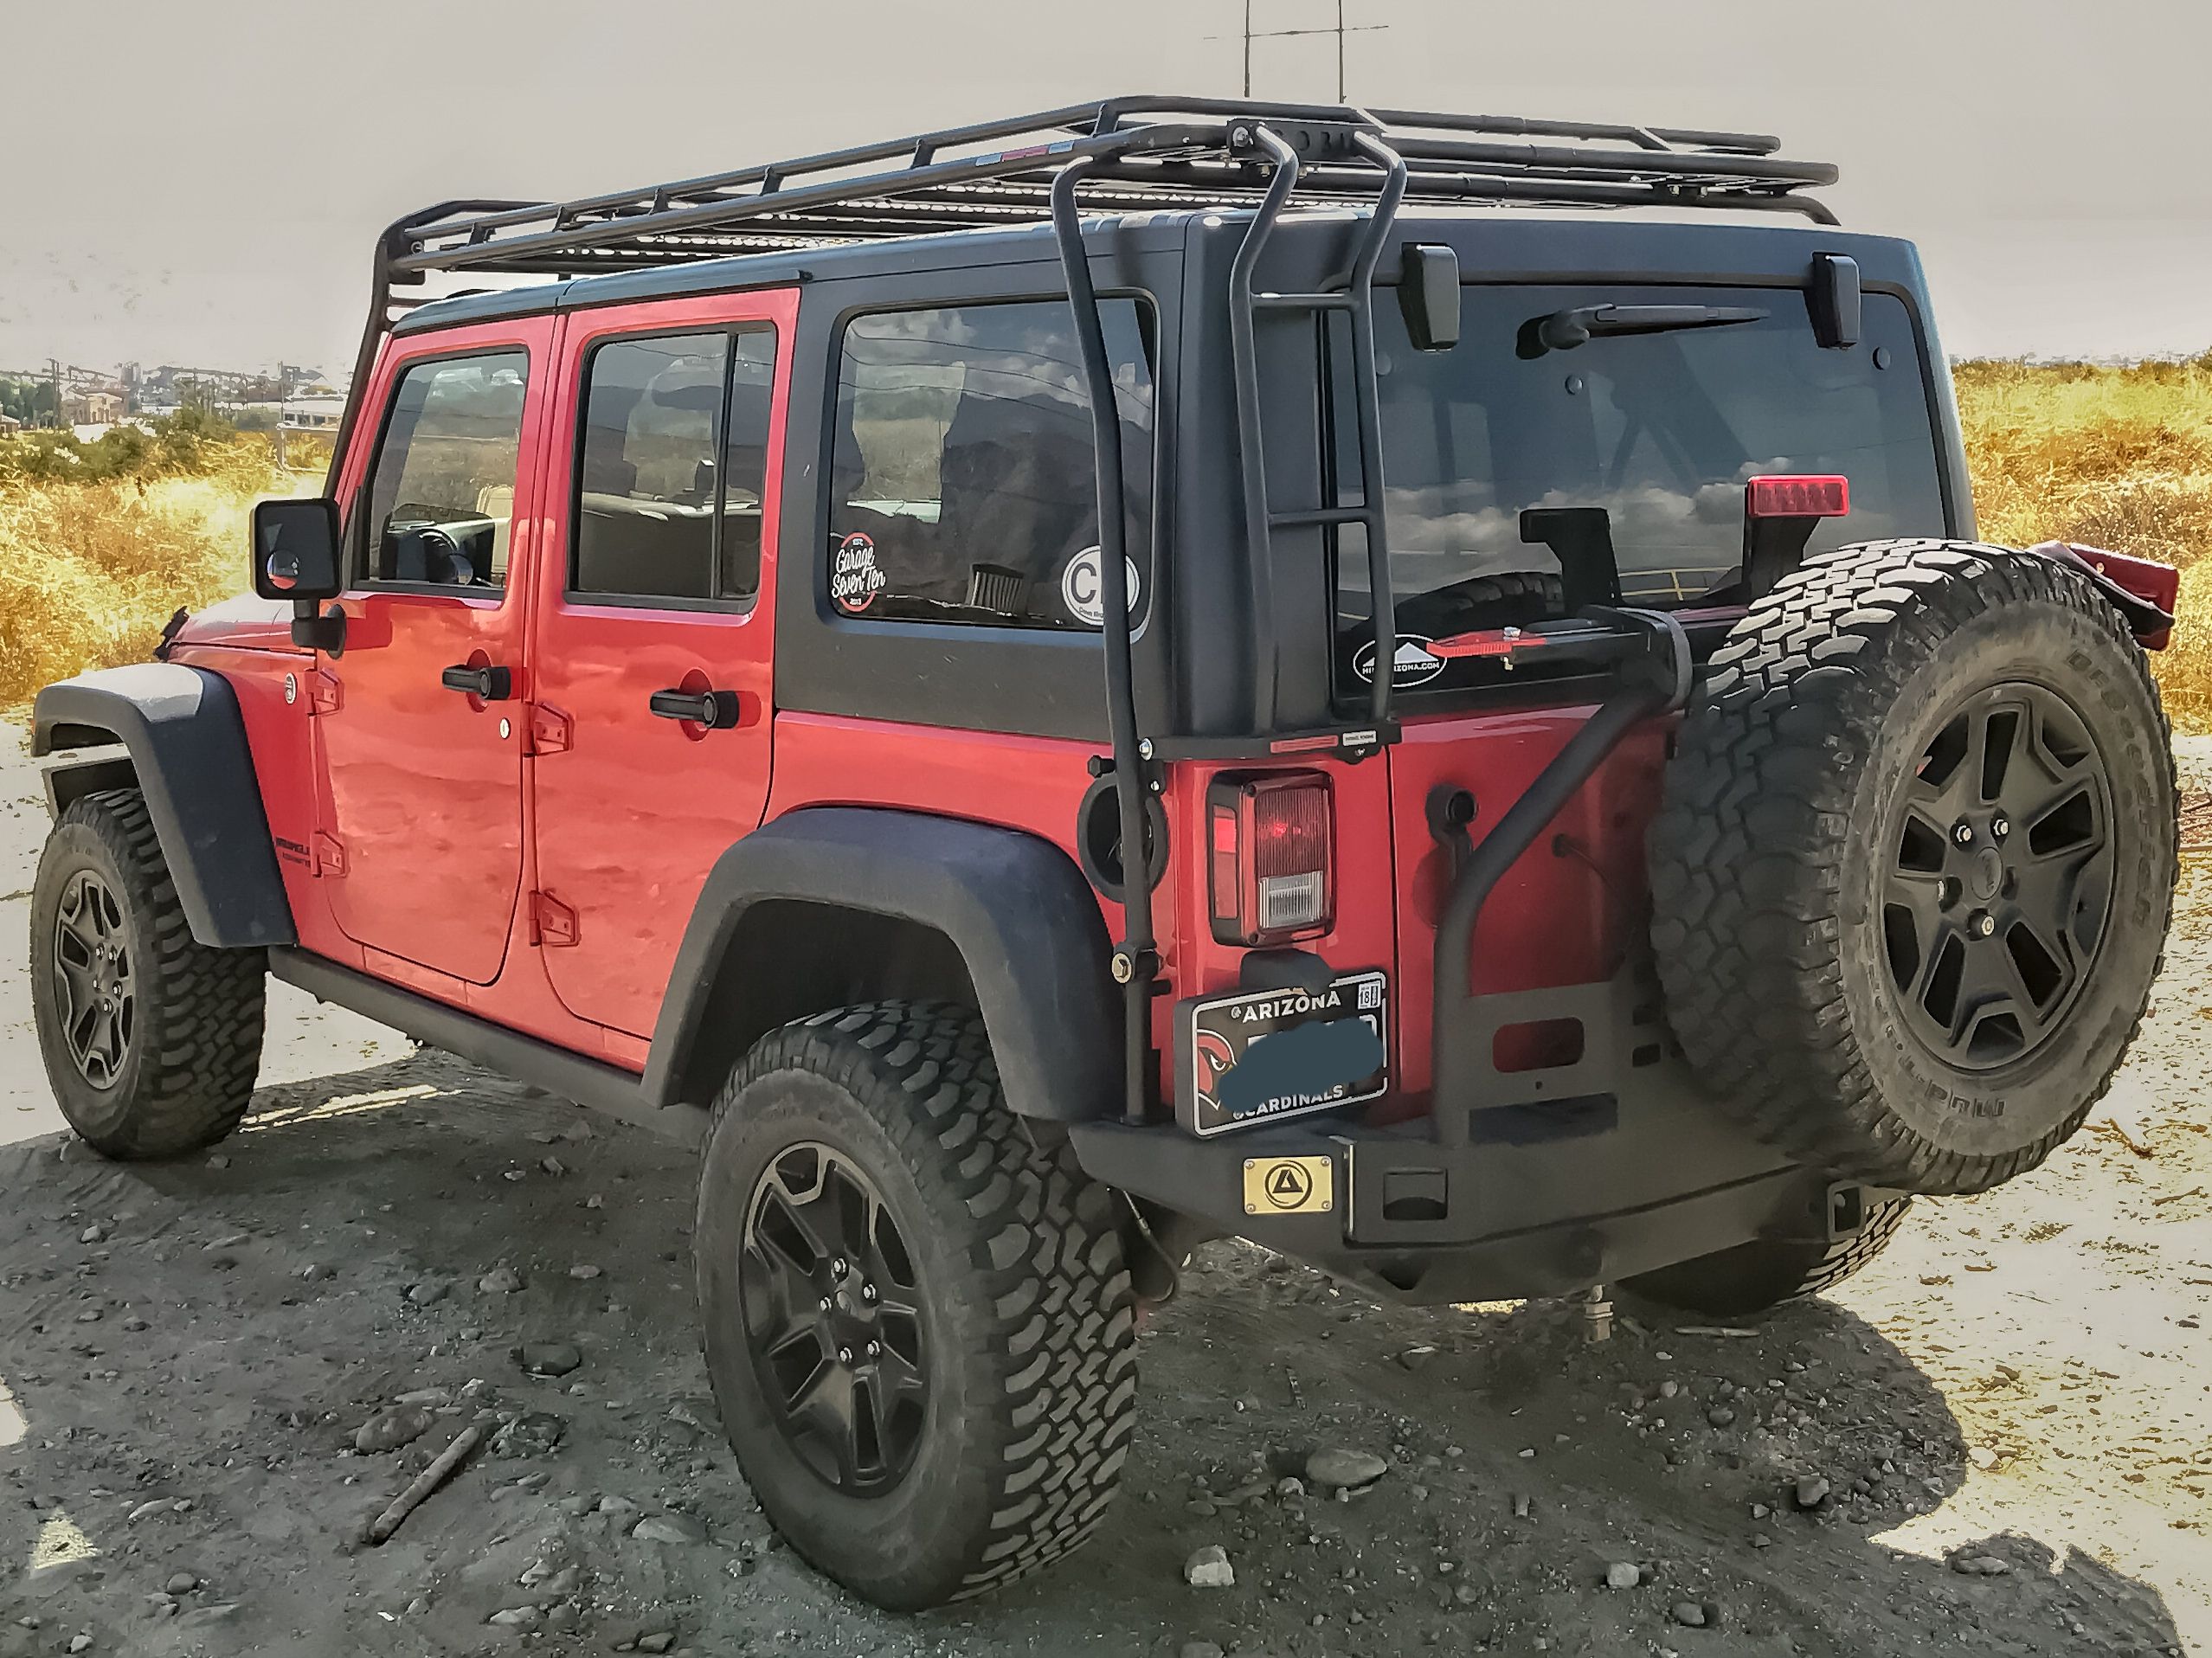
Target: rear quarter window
[(962, 486)]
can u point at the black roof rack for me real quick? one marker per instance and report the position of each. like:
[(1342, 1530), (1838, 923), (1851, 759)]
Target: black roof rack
[(1147, 153)]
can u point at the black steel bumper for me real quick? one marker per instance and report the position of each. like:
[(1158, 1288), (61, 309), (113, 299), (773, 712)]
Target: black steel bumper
[(1540, 1200)]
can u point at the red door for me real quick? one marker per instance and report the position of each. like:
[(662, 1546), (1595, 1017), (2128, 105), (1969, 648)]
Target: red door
[(651, 646), (421, 832)]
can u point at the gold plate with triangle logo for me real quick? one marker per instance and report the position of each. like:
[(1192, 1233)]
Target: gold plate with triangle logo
[(1290, 1185)]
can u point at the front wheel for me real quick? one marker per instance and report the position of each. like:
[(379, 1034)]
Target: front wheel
[(918, 1322), (151, 1039)]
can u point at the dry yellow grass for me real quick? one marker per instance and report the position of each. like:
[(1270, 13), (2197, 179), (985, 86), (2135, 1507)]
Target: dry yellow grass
[(2118, 457), (90, 572)]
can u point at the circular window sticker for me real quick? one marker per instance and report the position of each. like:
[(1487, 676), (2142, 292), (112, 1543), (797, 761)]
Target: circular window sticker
[(1082, 587), (855, 577)]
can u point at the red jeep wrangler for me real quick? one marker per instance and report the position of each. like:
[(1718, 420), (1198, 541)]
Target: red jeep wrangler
[(1062, 688)]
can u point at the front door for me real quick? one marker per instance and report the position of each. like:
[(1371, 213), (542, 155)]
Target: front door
[(653, 640), (419, 718)]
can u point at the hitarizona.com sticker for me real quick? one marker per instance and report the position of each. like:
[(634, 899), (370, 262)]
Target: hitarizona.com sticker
[(855, 577)]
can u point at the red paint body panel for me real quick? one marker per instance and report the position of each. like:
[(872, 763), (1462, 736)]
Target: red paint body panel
[(632, 815), (422, 786), (277, 737), (1565, 912), (1363, 933)]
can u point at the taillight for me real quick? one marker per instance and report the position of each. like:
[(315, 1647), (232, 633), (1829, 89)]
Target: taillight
[(1815, 496), (1270, 856)]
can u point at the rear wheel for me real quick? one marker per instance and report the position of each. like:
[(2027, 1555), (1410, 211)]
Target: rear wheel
[(1766, 1272), (151, 1039), (1913, 874), (918, 1322)]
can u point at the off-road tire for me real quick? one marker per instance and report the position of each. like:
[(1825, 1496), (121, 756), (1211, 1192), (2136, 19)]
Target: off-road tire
[(1027, 1320), (1765, 879), (186, 1074), (1766, 1272)]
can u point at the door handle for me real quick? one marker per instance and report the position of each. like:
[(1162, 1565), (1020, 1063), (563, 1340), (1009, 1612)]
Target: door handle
[(717, 711), (490, 685)]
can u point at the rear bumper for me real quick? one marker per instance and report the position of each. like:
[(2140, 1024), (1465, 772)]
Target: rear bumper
[(1541, 1200)]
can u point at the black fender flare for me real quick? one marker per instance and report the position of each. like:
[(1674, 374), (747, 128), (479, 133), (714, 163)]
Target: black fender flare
[(1024, 920), (186, 743)]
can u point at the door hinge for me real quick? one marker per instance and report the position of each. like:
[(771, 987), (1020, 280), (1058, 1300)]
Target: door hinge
[(552, 924), (329, 853), (549, 729), (325, 693)]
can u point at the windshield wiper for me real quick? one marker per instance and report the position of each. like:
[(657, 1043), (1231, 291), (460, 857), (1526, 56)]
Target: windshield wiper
[(1565, 330)]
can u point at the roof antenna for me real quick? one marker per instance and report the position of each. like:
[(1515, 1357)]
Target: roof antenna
[(1339, 30)]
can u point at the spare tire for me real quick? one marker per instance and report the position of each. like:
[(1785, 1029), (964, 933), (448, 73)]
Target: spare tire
[(1915, 861)]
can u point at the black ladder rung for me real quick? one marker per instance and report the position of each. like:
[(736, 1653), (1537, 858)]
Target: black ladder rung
[(1306, 518), (1303, 301)]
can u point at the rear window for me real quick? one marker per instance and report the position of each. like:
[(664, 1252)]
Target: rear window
[(1662, 430)]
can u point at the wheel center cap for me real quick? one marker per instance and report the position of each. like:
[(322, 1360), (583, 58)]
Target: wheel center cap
[(1987, 875)]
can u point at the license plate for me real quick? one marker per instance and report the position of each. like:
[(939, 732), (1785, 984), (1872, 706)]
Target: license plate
[(1261, 1055)]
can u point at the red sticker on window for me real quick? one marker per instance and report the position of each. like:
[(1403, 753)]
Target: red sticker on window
[(855, 577)]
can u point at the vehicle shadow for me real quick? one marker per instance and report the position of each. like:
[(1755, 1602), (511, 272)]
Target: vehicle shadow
[(255, 1307)]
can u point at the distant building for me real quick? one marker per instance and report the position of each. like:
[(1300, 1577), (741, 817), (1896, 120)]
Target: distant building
[(9, 423), (315, 415), (91, 409)]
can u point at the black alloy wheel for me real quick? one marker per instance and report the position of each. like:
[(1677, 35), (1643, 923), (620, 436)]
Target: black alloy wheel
[(2000, 876), (917, 1320), (95, 998), (150, 1039), (828, 1291)]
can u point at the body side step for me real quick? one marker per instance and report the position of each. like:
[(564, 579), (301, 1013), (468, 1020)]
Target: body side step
[(588, 1082)]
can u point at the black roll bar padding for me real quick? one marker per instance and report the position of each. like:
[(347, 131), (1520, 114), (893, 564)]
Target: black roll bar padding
[(1243, 353), (1136, 956), (1382, 591), (1647, 686)]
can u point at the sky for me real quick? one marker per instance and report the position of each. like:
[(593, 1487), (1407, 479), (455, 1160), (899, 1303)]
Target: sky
[(201, 181)]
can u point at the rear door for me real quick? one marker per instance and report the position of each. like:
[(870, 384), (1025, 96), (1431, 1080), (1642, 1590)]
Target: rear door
[(420, 833), (654, 641), (1661, 432)]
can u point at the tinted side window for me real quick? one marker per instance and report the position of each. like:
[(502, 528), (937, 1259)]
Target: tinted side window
[(441, 494), (670, 466), (962, 486)]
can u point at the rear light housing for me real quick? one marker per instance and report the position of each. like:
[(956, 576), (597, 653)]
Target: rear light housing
[(1813, 496), (1271, 857)]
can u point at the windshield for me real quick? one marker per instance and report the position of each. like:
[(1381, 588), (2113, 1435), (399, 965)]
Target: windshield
[(1660, 429)]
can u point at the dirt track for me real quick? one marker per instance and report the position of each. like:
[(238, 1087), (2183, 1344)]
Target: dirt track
[(190, 1349)]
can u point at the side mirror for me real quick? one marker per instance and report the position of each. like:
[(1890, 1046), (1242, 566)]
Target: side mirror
[(1428, 292), (296, 550)]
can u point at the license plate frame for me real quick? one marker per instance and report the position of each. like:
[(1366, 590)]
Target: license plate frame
[(1215, 1034)]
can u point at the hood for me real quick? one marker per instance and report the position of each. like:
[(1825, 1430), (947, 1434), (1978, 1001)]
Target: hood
[(243, 623)]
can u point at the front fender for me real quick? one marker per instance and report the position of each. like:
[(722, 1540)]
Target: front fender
[(1016, 908), (186, 743)]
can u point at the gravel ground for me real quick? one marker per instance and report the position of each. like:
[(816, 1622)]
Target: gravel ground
[(1997, 1439)]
